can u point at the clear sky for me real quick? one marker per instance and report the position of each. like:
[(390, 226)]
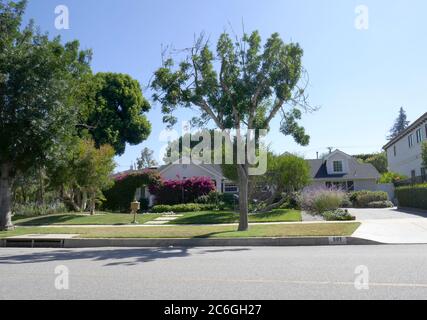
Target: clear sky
[(359, 78)]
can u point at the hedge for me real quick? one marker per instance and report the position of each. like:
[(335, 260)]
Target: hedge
[(181, 208), (362, 199), (412, 196), (119, 197)]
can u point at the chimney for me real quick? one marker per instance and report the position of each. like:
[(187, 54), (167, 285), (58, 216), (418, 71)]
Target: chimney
[(317, 155)]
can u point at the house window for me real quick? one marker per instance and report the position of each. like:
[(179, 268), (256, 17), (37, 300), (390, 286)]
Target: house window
[(411, 140), (419, 136), (394, 150), (338, 167), (231, 188)]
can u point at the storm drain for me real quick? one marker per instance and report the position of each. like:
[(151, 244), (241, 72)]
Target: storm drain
[(33, 243)]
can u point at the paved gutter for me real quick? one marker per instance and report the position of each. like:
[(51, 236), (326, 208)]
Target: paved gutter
[(194, 242)]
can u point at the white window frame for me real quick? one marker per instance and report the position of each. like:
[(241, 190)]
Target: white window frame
[(419, 135), (336, 162), (411, 140), (231, 188)]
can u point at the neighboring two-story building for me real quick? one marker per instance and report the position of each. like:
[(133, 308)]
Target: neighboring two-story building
[(404, 151)]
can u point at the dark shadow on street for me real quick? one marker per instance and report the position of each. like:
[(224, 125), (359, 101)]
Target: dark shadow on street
[(115, 257)]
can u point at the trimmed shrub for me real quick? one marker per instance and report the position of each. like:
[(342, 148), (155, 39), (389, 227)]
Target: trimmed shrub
[(173, 192), (320, 200), (380, 204), (361, 199), (119, 197), (412, 196), (181, 208), (392, 177), (338, 215)]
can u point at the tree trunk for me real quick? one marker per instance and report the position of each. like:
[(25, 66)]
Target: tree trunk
[(243, 198), (5, 197), (92, 203), (274, 205)]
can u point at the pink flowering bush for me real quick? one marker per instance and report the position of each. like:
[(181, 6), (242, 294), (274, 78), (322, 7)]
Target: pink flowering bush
[(182, 191)]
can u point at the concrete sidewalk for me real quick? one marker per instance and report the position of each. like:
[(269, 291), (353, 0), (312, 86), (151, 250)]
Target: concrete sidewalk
[(394, 231)]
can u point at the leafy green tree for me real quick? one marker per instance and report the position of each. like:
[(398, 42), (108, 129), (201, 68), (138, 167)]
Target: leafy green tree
[(243, 86), (378, 160), (392, 177), (83, 173), (286, 174), (38, 79), (113, 110), (146, 159), (400, 124)]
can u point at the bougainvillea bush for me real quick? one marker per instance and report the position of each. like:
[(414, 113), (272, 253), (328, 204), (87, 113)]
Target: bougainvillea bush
[(172, 192), (119, 197)]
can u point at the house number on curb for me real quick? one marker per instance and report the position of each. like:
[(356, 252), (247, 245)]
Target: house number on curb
[(337, 240)]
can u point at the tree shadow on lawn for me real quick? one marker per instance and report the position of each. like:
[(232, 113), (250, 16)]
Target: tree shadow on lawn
[(46, 220), (112, 257)]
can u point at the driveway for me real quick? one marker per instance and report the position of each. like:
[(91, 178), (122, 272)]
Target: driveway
[(392, 226), (389, 213)]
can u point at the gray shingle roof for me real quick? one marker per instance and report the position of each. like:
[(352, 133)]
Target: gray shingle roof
[(356, 171)]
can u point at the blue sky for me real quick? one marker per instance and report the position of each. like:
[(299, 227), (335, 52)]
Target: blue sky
[(359, 78)]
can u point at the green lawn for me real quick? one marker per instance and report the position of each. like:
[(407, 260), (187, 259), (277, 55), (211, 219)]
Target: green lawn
[(212, 217), (207, 217), (257, 231), (78, 219)]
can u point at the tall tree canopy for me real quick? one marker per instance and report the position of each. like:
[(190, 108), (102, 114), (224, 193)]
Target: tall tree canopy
[(400, 124), (378, 160), (146, 159), (38, 78), (113, 110), (242, 86)]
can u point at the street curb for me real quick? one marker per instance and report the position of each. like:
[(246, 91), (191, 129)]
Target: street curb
[(240, 242)]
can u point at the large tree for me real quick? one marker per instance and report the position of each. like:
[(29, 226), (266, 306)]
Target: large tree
[(243, 86), (112, 110), (378, 160), (286, 174), (38, 77), (400, 124), (146, 159)]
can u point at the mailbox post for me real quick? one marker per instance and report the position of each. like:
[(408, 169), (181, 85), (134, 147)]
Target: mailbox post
[(135, 206)]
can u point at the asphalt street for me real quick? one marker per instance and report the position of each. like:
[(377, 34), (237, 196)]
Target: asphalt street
[(347, 272)]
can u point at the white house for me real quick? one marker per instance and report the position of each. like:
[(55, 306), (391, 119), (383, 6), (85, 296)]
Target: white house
[(404, 151), (179, 171), (342, 170)]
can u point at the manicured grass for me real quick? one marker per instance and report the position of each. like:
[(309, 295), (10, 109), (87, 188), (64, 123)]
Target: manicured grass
[(207, 217), (257, 231), (213, 217), (78, 219)]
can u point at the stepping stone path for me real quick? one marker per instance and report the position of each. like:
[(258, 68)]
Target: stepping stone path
[(165, 219)]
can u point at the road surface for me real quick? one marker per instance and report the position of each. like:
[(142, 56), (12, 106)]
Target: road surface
[(391, 272)]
